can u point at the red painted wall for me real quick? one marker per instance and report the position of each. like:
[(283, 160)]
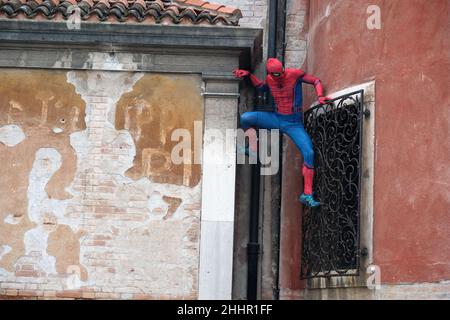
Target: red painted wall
[(409, 58)]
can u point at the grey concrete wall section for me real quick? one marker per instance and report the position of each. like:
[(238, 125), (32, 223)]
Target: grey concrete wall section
[(172, 42)]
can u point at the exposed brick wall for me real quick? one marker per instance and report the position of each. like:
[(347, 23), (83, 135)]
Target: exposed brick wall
[(254, 12), (296, 33), (124, 236)]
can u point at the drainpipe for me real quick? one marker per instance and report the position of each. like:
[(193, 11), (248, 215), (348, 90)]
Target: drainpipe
[(253, 246), (280, 44)]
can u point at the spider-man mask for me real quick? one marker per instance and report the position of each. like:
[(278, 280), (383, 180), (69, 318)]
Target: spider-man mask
[(275, 68)]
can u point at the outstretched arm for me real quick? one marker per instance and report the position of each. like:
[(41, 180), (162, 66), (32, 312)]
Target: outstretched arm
[(258, 84), (317, 86)]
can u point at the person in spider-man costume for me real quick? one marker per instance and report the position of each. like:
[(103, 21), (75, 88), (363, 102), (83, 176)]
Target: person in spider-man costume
[(285, 85)]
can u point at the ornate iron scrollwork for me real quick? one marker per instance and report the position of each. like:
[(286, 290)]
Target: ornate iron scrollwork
[(331, 232)]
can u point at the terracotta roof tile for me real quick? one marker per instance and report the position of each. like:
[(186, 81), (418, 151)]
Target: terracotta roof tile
[(195, 2), (131, 11), (212, 6), (229, 10)]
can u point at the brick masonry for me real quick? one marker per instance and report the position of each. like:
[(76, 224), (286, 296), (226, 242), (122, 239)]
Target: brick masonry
[(110, 237), (296, 33), (254, 12)]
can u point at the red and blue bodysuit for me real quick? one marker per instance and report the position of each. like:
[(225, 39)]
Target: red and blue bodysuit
[(286, 89)]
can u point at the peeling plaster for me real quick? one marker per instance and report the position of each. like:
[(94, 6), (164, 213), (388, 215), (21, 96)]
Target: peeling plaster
[(4, 249), (161, 246), (150, 112), (13, 219), (36, 245), (111, 61), (35, 109), (65, 244), (46, 163), (142, 195), (40, 207), (146, 243), (11, 135)]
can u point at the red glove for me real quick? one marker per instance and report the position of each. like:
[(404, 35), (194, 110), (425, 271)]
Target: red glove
[(324, 100), (238, 73)]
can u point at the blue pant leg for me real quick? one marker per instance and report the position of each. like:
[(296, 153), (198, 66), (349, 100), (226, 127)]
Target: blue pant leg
[(302, 140), (259, 119), (248, 119)]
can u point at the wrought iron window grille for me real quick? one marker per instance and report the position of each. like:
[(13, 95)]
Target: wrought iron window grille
[(331, 232)]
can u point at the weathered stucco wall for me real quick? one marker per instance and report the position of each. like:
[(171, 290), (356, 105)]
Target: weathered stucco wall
[(408, 57), (88, 186)]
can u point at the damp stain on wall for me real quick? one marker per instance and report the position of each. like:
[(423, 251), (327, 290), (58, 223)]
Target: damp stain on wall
[(156, 106)]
